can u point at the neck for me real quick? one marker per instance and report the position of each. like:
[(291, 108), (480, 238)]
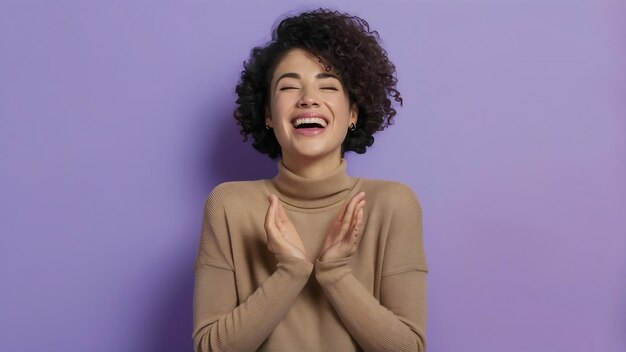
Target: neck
[(311, 167), (319, 192)]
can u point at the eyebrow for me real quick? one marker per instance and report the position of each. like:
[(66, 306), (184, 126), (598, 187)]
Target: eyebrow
[(297, 76)]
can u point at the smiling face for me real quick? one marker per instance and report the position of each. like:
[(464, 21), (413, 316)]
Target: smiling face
[(308, 108)]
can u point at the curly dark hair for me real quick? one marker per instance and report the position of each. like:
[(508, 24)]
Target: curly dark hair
[(340, 41)]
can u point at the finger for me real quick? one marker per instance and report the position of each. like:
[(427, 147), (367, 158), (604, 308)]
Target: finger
[(333, 231), (332, 236), (359, 219), (358, 200), (341, 212), (338, 226), (358, 212), (347, 219), (270, 216), (345, 205), (357, 231), (356, 224), (352, 206), (283, 220), (281, 212)]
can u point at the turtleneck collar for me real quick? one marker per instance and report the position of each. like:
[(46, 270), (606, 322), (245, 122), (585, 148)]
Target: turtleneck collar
[(317, 192)]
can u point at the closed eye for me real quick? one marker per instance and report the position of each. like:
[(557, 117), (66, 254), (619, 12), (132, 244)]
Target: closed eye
[(285, 88), (330, 88)]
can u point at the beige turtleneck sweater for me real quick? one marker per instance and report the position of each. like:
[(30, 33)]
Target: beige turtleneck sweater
[(246, 299)]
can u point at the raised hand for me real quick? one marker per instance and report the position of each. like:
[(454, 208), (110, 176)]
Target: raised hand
[(342, 237), (282, 237)]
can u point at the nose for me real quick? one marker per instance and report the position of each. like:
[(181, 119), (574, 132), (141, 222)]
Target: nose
[(308, 99)]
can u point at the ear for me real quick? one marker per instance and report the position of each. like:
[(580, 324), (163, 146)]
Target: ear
[(354, 113)]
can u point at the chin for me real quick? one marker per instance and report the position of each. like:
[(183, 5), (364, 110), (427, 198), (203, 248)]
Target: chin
[(316, 153), (313, 150), (310, 154)]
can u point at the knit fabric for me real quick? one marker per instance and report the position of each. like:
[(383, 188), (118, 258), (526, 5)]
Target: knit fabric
[(247, 299)]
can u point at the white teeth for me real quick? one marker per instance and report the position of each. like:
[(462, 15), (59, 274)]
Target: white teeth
[(300, 121)]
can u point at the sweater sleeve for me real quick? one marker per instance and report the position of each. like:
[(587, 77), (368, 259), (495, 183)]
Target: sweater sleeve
[(398, 321), (220, 322)]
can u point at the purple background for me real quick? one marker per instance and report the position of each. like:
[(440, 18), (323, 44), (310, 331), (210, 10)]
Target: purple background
[(115, 123)]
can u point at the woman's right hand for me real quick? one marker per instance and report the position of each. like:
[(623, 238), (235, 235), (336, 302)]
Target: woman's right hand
[(282, 237)]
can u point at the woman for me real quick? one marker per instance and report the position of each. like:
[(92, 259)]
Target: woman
[(302, 262)]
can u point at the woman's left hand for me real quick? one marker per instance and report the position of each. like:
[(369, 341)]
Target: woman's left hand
[(342, 237)]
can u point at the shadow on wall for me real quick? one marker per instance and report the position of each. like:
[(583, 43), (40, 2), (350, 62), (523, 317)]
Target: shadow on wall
[(220, 156)]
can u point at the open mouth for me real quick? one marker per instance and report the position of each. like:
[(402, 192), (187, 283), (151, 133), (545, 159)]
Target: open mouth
[(309, 122)]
